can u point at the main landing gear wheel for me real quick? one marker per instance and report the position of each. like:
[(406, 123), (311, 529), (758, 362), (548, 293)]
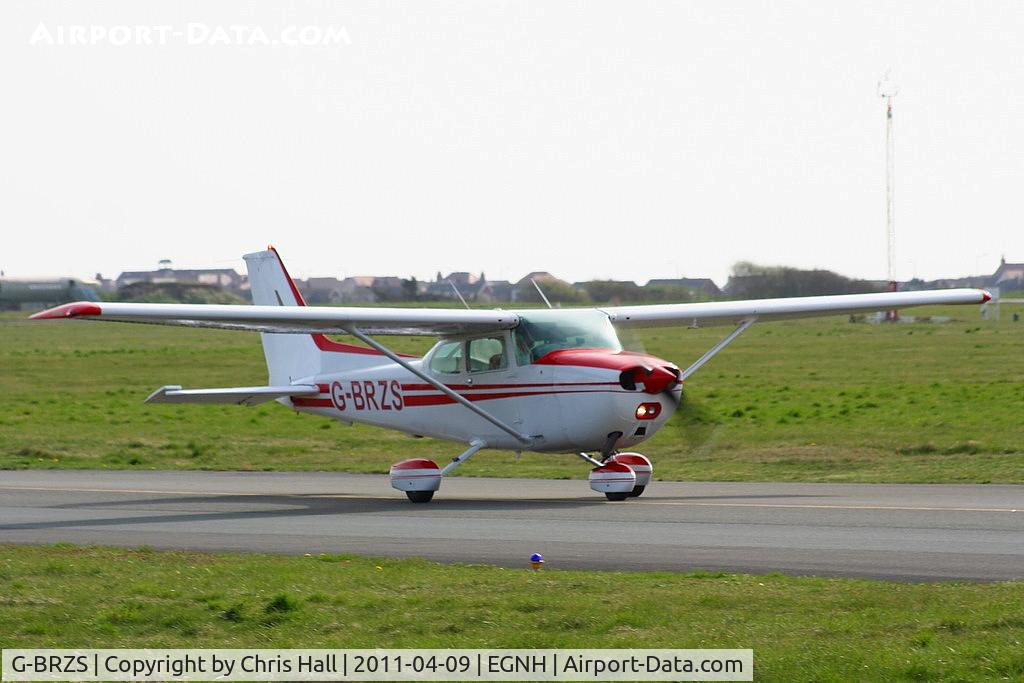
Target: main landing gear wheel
[(637, 491), (419, 478), (617, 496)]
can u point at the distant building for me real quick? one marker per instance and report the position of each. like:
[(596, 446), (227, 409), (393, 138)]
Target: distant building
[(16, 293), (225, 278), (493, 291), (322, 290), (389, 288), (1009, 276), (471, 287), (105, 285)]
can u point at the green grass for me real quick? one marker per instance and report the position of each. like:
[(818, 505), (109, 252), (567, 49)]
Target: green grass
[(814, 400), (812, 629)]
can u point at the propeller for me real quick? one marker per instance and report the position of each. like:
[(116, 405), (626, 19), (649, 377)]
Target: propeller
[(696, 425), (662, 380)]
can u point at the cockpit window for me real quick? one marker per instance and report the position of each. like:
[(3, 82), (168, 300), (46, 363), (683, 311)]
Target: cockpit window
[(447, 358), (486, 353), (541, 332)]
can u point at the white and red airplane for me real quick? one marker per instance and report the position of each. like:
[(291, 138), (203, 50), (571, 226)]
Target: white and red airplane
[(550, 381)]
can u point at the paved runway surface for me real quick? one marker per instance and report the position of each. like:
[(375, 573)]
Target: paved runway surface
[(908, 532)]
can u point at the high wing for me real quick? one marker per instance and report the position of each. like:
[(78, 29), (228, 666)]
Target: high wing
[(294, 319), (446, 321), (736, 312)]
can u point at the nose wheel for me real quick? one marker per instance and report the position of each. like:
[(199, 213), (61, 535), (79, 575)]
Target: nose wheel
[(621, 476)]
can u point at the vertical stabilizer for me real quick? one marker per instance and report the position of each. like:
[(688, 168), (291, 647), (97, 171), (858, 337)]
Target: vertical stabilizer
[(290, 357)]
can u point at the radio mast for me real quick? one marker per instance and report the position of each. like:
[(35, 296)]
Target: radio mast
[(888, 90)]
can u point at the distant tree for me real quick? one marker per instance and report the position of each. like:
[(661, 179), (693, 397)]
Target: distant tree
[(753, 281), (612, 290), (410, 289), (671, 293)]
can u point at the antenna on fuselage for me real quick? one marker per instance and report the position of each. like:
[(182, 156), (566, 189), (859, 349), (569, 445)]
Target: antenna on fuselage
[(458, 294), (541, 292)]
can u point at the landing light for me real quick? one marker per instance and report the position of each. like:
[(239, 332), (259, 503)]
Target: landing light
[(648, 411)]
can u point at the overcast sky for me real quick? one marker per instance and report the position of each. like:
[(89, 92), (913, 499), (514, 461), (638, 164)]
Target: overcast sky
[(619, 140)]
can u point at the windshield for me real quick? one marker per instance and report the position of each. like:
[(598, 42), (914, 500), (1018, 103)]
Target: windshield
[(541, 332)]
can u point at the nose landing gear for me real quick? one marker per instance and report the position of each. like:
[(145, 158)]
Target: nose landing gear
[(620, 476)]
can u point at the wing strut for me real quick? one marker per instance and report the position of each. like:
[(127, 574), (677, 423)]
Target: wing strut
[(713, 351), (458, 398)]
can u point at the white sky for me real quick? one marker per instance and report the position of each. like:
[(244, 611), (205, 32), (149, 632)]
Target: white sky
[(616, 140)]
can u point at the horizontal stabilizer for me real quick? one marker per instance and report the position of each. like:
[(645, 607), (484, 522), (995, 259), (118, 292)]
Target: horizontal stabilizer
[(244, 396)]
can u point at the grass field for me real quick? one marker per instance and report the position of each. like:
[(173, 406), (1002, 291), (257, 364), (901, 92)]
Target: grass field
[(801, 629), (814, 400)]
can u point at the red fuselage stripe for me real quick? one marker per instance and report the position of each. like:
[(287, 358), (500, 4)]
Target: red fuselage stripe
[(300, 402), (456, 387), (442, 399)]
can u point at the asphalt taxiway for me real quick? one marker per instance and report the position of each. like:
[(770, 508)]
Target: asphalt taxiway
[(917, 532)]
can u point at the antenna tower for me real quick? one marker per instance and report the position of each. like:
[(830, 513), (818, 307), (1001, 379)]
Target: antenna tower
[(888, 90)]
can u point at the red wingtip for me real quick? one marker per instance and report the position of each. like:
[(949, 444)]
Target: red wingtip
[(985, 296), (75, 310)]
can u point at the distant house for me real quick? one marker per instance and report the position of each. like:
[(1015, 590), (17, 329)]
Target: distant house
[(1009, 276), (105, 285), (225, 278), (702, 285), (493, 291), (355, 289), (322, 290), (389, 288), (471, 287)]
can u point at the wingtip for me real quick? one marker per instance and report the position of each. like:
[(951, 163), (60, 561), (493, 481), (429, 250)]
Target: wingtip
[(985, 296), (77, 309)]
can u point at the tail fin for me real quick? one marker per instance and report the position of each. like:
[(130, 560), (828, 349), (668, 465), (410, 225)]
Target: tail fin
[(291, 357)]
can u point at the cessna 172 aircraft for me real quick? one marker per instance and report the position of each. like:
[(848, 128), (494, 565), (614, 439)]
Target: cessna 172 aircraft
[(550, 381)]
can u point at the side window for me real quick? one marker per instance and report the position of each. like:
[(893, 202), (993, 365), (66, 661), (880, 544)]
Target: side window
[(447, 358), (487, 353)]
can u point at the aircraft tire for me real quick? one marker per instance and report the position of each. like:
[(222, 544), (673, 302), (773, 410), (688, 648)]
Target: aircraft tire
[(420, 496), (617, 496), (637, 491)]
